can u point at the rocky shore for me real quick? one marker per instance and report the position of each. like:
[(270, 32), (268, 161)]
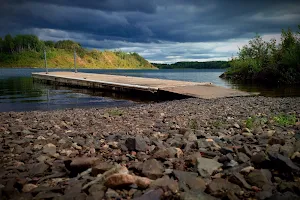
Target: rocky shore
[(232, 148)]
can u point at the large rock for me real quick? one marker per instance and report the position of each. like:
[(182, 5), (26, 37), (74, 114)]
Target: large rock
[(136, 144), (190, 180), (100, 168), (153, 169), (80, 164), (259, 158), (207, 166), (166, 183), (151, 195), (38, 169), (196, 195), (120, 180), (276, 140), (220, 188), (165, 153), (284, 196), (260, 178), (282, 162), (238, 179)]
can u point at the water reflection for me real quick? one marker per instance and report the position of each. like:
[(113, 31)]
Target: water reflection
[(268, 91)]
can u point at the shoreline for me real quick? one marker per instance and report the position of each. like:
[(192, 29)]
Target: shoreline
[(197, 149)]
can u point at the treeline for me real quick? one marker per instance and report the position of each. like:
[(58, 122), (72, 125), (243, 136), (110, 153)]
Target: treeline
[(21, 43), (268, 62), (194, 65)]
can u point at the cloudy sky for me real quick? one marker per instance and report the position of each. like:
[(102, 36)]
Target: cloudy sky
[(160, 30)]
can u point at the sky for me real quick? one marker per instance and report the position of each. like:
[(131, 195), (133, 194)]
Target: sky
[(163, 31)]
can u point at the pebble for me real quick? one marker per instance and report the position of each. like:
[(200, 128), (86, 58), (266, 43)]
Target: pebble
[(144, 154)]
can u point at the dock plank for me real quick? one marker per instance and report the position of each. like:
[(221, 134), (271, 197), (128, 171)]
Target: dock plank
[(192, 89)]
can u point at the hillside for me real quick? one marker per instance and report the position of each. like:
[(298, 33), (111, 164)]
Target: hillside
[(27, 51), (194, 65)]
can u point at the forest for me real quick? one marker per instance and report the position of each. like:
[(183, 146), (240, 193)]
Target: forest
[(194, 65), (268, 62)]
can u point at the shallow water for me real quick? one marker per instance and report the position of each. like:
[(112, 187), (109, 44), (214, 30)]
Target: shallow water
[(18, 92)]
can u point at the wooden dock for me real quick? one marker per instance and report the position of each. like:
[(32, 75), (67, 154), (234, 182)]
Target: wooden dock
[(138, 85)]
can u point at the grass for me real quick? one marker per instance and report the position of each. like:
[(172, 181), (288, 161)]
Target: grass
[(218, 124), (285, 119), (60, 58), (250, 122), (115, 112), (253, 121), (193, 124)]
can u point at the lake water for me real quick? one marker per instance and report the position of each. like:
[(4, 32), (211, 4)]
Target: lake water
[(18, 92)]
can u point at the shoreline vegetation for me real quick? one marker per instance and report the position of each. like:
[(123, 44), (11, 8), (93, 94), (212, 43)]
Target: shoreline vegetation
[(28, 51), (269, 62)]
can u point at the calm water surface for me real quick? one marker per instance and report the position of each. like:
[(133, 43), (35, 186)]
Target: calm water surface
[(18, 92)]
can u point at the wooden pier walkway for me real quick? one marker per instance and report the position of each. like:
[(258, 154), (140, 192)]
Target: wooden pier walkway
[(138, 84)]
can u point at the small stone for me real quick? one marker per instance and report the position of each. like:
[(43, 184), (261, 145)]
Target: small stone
[(28, 187), (49, 149), (62, 141), (29, 136), (236, 125), (42, 158), (247, 130), (37, 147), (41, 138), (232, 163), (276, 140), (247, 169), (143, 182), (112, 194), (207, 166), (114, 145), (152, 169), (76, 146), (247, 134)]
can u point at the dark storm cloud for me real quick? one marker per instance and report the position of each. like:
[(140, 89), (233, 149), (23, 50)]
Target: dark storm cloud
[(145, 23)]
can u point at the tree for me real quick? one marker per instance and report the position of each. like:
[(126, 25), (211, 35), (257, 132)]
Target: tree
[(8, 44), (50, 44), (1, 44)]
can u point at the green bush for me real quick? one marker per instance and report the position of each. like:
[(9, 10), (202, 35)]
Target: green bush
[(267, 62)]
